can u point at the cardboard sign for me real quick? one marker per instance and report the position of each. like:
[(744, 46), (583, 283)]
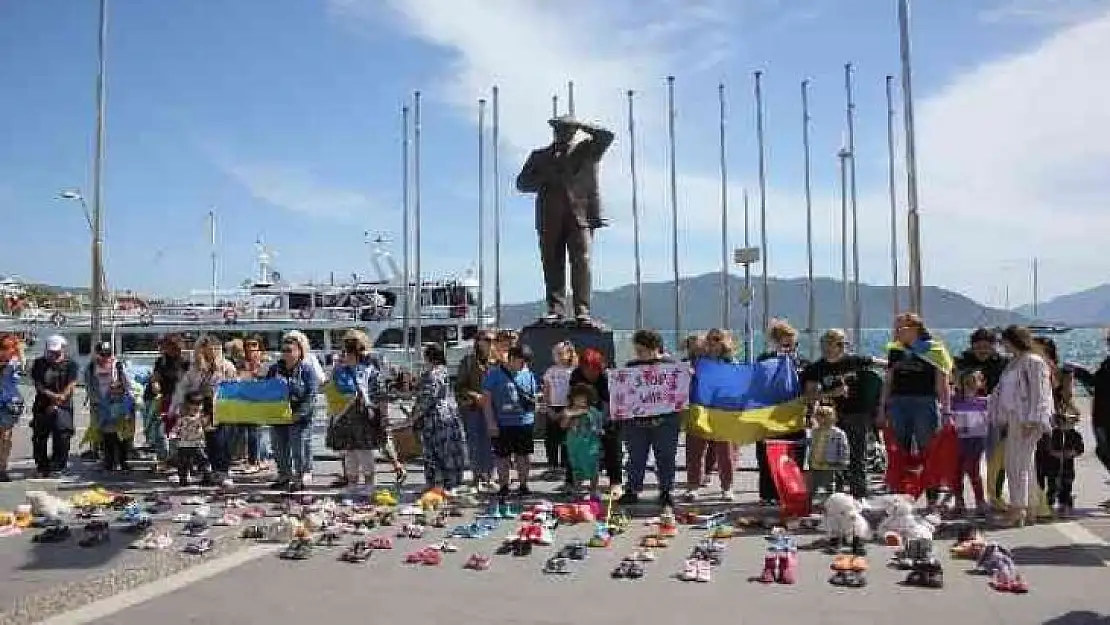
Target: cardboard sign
[(648, 390)]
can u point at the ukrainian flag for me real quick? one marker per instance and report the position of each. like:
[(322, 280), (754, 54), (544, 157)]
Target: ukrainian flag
[(338, 400), (745, 403), (930, 350), (253, 402)]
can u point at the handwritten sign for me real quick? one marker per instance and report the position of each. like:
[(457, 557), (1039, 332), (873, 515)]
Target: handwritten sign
[(648, 390)]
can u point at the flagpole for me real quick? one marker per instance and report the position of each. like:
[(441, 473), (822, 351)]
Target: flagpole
[(635, 209), (481, 212), (98, 283), (850, 113), (406, 229), (416, 130), (674, 209), (913, 219), (726, 297), (811, 297), (845, 284), (893, 186), (496, 147), (212, 243), (766, 294), (749, 339)]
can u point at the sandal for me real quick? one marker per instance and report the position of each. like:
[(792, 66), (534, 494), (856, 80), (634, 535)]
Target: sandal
[(556, 565), (477, 562), (358, 552)]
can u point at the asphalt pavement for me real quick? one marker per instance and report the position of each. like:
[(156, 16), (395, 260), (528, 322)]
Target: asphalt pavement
[(242, 582)]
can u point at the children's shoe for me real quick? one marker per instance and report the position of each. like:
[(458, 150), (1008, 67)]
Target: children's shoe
[(705, 572), (199, 547), (788, 568), (770, 569), (556, 565), (357, 552), (689, 571), (477, 562)]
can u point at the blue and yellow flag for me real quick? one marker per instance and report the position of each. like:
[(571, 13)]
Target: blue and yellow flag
[(930, 350), (253, 402), (742, 403)]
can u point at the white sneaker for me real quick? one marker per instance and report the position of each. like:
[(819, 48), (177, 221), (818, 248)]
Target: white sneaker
[(306, 479), (728, 495)]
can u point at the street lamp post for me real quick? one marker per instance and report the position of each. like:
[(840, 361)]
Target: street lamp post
[(98, 285)]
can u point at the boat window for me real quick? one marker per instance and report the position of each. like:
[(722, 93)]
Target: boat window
[(315, 338), (84, 344), (143, 342), (300, 300), (389, 337)]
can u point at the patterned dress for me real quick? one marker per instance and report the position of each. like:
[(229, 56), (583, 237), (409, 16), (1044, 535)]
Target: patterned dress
[(441, 430)]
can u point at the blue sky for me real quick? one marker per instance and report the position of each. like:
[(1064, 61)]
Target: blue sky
[(284, 115)]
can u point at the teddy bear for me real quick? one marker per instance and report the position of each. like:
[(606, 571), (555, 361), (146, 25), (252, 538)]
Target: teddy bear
[(845, 524)]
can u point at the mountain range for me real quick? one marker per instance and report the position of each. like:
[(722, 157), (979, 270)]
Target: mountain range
[(1090, 307), (701, 305)]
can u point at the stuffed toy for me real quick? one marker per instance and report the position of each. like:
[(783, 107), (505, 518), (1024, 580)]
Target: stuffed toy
[(845, 524), (998, 562), (901, 524), (45, 505), (969, 545)]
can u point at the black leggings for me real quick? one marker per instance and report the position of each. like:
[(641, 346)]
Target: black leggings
[(554, 440), (115, 449), (612, 454)]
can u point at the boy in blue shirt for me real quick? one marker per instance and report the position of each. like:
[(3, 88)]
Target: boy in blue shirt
[(509, 401)]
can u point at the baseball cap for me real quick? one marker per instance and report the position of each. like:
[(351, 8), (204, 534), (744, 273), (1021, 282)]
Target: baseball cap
[(55, 343)]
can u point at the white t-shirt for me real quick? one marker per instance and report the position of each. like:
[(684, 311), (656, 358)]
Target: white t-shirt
[(314, 362), (557, 381)]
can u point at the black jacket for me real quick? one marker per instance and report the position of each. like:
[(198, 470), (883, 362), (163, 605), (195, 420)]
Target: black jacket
[(991, 368), (1098, 385)]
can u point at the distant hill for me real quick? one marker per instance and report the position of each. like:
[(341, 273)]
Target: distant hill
[(1085, 308), (701, 308)]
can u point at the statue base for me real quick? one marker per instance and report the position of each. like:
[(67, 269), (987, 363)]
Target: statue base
[(543, 335)]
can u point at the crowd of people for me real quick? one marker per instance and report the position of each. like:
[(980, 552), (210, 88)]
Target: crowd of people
[(477, 424)]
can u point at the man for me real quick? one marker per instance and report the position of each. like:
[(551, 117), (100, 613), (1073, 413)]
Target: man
[(984, 357), (509, 395), (563, 176), (55, 377)]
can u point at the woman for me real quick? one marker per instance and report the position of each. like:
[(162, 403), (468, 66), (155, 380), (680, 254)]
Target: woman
[(169, 368), (208, 370), (556, 386), (657, 435), (591, 371), (1097, 384), (11, 401), (506, 340), (916, 388), (691, 350), (358, 428), (293, 442), (718, 345), (835, 379), (441, 429), (252, 366), (1022, 402), (111, 406), (782, 340), (468, 395)]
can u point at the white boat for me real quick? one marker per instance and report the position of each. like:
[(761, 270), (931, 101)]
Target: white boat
[(267, 307)]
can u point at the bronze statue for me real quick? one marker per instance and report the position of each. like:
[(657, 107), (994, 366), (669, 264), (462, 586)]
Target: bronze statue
[(563, 176)]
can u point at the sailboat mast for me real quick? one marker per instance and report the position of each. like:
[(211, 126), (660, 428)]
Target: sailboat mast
[(1036, 289)]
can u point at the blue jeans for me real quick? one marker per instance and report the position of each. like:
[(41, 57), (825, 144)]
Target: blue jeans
[(479, 446), (661, 440), (217, 444), (292, 450), (915, 418)]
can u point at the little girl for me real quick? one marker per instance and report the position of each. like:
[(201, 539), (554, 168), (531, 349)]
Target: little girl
[(556, 385), (584, 425), (969, 414)]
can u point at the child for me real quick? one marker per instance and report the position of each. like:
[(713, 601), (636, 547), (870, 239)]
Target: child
[(584, 425), (828, 453), (556, 385), (969, 415), (1056, 454), (188, 435), (116, 420)]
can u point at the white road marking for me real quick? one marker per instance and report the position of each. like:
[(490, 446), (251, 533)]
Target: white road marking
[(1081, 536), (117, 603)]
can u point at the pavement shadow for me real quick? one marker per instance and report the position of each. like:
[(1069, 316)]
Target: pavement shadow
[(1079, 617), (1062, 555)]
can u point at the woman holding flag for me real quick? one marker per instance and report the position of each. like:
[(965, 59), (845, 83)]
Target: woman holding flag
[(293, 442), (916, 389), (208, 370)]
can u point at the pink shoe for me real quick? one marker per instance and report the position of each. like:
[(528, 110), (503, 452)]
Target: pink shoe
[(770, 569), (788, 568)]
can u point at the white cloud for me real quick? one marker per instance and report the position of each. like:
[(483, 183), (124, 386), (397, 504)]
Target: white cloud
[(1013, 155), (1043, 12), (298, 189)]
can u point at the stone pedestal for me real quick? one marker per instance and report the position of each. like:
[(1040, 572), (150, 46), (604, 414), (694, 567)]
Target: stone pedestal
[(542, 337)]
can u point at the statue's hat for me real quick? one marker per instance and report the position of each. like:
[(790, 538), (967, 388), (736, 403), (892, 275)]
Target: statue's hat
[(562, 120)]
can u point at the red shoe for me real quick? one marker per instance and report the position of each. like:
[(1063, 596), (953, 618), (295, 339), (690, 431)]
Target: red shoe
[(770, 569), (431, 557), (788, 568), (1002, 582), (1018, 585)]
